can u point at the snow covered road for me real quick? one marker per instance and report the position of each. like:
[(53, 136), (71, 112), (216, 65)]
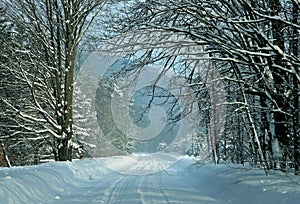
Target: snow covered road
[(144, 180), (138, 185)]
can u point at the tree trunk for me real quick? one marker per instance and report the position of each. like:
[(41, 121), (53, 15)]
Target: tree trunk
[(280, 80), (65, 151), (4, 162), (296, 94), (296, 127)]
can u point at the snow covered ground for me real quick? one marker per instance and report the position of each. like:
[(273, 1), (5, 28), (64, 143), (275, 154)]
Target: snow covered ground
[(119, 180)]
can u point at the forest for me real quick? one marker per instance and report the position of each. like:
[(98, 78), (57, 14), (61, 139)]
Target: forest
[(227, 71)]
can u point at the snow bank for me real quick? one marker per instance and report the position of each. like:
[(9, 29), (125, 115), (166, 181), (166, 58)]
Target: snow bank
[(46, 183)]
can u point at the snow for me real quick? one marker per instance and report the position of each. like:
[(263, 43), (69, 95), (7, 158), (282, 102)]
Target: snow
[(93, 181)]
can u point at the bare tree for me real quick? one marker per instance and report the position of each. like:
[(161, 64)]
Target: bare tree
[(52, 31), (256, 45)]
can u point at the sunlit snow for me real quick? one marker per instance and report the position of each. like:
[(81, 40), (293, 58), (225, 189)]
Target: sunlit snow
[(88, 181)]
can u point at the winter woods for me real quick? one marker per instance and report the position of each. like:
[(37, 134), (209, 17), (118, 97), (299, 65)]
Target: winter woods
[(253, 45)]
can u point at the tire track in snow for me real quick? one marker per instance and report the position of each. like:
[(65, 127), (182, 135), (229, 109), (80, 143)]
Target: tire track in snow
[(136, 189), (150, 188), (168, 186), (151, 192)]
